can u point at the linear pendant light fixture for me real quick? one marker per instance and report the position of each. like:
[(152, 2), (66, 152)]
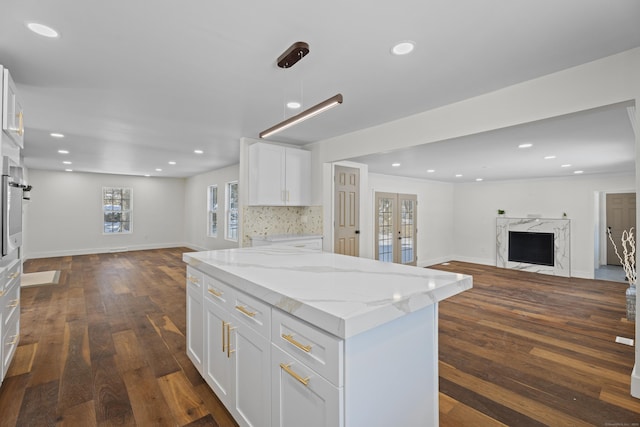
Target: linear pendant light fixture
[(306, 114)]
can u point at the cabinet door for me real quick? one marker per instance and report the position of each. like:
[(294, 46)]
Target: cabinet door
[(195, 334), (218, 357), (12, 117), (298, 177), (1, 335), (252, 377), (10, 343), (266, 175), (301, 397)]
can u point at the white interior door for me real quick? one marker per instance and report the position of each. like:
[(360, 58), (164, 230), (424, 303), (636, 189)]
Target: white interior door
[(346, 214)]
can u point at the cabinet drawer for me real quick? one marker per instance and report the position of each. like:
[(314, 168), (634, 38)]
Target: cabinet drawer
[(300, 396), (9, 277), (11, 303), (195, 278), (317, 349), (253, 313), (219, 293)]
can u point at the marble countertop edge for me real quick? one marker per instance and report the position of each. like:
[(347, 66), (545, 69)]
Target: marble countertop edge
[(346, 317)]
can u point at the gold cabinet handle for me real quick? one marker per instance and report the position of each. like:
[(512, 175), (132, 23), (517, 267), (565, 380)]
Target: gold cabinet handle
[(290, 371), (194, 279), (244, 311), (229, 351), (16, 338), (214, 292), (14, 275), (1, 293), (224, 325), (20, 123), (289, 337), (14, 304)]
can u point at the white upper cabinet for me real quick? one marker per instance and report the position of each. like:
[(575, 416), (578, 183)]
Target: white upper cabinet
[(279, 176), (12, 114)]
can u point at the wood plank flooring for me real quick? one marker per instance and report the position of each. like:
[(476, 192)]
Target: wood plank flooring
[(106, 346), (524, 349)]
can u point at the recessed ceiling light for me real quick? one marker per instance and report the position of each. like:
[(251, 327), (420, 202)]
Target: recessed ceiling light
[(527, 145), (68, 170), (158, 170), (172, 162), (403, 48), (42, 30), (458, 175), (293, 105), (578, 172), (56, 135), (478, 179), (567, 165), (66, 162), (198, 151), (549, 157), (147, 175), (430, 170), (63, 151), (395, 165)]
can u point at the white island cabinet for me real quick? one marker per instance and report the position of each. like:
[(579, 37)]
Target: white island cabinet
[(299, 337)]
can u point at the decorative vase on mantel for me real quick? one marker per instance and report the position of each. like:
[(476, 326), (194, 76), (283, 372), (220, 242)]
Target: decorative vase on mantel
[(628, 262), (631, 302)]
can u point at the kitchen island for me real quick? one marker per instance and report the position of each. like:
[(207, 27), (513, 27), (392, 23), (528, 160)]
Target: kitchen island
[(289, 337)]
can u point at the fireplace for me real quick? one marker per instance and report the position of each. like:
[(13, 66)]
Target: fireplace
[(540, 245), (530, 247)]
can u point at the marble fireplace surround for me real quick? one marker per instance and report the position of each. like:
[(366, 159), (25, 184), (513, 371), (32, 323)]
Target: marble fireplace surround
[(561, 237)]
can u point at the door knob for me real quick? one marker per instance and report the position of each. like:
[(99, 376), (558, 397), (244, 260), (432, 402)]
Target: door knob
[(357, 231)]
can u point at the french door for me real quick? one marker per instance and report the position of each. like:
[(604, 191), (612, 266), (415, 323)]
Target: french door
[(396, 228)]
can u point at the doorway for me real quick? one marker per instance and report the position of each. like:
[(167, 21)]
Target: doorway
[(346, 211), (621, 215), (396, 231)]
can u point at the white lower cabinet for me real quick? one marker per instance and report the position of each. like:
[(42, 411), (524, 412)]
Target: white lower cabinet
[(217, 366), (267, 367), (300, 396), (195, 325), (250, 365), (9, 314), (236, 360)]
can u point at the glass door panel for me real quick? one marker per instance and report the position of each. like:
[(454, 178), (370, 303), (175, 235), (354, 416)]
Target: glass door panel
[(396, 228)]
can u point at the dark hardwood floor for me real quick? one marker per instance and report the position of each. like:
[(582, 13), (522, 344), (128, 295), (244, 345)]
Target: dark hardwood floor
[(106, 346), (525, 349)]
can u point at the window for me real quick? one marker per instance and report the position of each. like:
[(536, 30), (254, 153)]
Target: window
[(212, 211), (231, 232), (116, 209)]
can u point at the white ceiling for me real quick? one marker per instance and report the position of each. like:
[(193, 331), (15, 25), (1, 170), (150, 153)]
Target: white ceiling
[(133, 85)]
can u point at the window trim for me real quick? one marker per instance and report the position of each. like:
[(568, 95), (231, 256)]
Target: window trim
[(129, 211), (212, 210), (227, 212)]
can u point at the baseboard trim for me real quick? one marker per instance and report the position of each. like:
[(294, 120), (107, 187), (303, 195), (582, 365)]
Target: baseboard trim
[(91, 251)]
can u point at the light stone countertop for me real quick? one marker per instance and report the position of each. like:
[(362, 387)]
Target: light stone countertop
[(340, 294), (285, 237)]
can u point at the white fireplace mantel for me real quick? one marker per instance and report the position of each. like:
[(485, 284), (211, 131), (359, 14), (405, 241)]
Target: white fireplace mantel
[(561, 238)]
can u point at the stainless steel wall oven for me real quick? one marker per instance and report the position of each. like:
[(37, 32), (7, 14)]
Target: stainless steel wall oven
[(12, 186)]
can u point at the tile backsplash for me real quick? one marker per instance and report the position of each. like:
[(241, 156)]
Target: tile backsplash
[(268, 220)]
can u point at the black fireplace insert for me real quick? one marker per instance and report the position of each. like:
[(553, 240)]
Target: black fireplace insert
[(531, 247)]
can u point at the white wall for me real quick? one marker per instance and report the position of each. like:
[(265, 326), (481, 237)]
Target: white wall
[(64, 215), (196, 208), (435, 219), (475, 208)]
